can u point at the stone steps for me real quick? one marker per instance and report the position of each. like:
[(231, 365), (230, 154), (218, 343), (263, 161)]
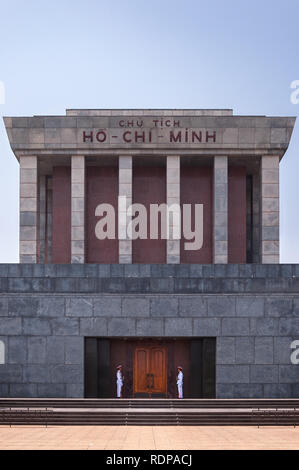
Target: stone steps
[(142, 412), (147, 403), (153, 419)]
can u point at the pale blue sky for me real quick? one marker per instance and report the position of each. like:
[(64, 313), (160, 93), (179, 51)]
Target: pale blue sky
[(148, 54)]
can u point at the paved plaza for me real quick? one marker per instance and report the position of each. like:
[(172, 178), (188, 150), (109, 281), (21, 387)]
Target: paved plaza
[(148, 437)]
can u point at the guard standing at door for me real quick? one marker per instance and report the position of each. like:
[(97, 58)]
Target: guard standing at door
[(119, 381), (179, 381)]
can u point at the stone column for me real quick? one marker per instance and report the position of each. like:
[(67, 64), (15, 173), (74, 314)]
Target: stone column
[(49, 219), (220, 210), (28, 209), (173, 199), (125, 175), (42, 218), (78, 209), (269, 226), (256, 189)]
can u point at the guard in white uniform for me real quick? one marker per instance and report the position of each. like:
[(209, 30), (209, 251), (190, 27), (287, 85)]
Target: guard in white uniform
[(119, 381), (179, 381)]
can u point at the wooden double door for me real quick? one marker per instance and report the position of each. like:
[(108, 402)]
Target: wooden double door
[(150, 371)]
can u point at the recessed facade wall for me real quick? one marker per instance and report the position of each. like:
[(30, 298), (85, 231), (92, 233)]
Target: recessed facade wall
[(237, 209), (149, 187), (61, 214), (197, 188), (101, 188)]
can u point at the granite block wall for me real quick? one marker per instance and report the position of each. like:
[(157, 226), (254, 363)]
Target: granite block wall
[(47, 310)]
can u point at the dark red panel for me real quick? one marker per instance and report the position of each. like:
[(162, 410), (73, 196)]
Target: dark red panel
[(237, 215), (196, 188), (61, 222), (149, 187), (101, 187)]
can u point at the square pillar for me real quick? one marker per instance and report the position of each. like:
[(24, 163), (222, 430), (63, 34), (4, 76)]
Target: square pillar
[(49, 220), (269, 226), (125, 178), (42, 218), (28, 209), (256, 218), (220, 221), (78, 209), (173, 199)]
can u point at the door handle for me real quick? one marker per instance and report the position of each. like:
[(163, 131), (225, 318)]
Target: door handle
[(152, 380), (148, 380)]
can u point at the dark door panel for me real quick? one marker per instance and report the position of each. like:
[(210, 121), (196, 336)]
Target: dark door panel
[(97, 368)]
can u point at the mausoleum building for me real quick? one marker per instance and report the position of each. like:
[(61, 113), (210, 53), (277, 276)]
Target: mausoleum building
[(149, 238)]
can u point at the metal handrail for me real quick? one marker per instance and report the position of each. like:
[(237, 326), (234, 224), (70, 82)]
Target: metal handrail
[(276, 413), (7, 414)]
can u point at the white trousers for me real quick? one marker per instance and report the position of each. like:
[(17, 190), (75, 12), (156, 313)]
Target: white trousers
[(180, 390), (118, 389)]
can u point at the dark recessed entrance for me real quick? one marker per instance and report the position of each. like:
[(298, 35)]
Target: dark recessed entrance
[(150, 367)]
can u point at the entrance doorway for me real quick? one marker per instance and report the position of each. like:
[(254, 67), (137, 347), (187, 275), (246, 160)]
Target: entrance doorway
[(150, 372), (150, 367)]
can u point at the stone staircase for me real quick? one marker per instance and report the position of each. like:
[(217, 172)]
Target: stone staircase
[(153, 412)]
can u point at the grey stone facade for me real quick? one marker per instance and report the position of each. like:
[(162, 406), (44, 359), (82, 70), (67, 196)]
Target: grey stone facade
[(47, 310)]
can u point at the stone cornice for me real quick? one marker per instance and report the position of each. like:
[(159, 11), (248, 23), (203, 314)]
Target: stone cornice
[(141, 134)]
